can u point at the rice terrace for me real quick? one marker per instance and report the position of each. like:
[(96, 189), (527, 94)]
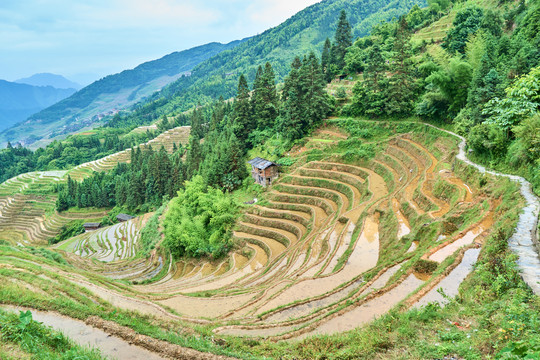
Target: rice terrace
[(335, 243), (361, 181)]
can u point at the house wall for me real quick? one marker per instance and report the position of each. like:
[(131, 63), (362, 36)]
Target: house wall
[(261, 176)]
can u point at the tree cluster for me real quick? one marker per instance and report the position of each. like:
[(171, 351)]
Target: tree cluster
[(75, 150), (199, 221), (139, 185), (486, 83)]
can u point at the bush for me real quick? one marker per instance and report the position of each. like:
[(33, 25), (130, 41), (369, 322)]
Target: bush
[(488, 139), (67, 231), (48, 254), (199, 221), (425, 266)]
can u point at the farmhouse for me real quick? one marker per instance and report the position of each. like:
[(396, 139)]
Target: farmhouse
[(91, 226), (124, 217), (264, 171)]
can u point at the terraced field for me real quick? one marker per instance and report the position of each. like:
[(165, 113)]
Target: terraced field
[(333, 244), (27, 202), (112, 243), (330, 247)]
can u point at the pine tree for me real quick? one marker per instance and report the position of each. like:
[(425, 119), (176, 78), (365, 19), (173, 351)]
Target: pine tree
[(268, 103), (243, 123), (305, 101), (163, 124), (257, 98), (326, 60), (315, 96), (196, 124), (343, 40), (401, 87), (193, 158)]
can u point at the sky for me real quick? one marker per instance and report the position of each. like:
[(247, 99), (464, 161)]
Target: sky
[(85, 40)]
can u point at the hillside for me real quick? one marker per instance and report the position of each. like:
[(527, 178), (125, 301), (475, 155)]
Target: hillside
[(217, 76), (385, 235), (85, 108), (340, 239), (18, 101), (47, 79)]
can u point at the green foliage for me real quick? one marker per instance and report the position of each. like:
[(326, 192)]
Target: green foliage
[(528, 138), (48, 254), (35, 338), (304, 101), (199, 221), (447, 90), (466, 22), (67, 231), (522, 100), (389, 84), (354, 150), (287, 161), (150, 234), (521, 350)]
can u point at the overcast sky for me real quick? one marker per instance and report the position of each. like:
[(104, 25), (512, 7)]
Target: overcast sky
[(88, 39)]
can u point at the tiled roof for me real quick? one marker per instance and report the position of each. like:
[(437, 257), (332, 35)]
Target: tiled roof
[(92, 225), (261, 163), (124, 217)]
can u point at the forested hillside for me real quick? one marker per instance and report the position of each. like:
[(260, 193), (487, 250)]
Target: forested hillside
[(86, 107), (479, 75), (18, 101), (302, 33)]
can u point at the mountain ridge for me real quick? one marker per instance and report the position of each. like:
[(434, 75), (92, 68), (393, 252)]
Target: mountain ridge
[(18, 101), (49, 79), (107, 95)]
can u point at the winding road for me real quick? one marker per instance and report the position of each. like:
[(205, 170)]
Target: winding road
[(523, 241)]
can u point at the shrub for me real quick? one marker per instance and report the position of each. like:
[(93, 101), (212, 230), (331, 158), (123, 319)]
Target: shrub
[(199, 221), (425, 266), (67, 231)]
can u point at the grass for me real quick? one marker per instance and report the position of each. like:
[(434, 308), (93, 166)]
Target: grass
[(24, 338)]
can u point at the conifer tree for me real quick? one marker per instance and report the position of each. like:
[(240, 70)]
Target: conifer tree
[(401, 87), (343, 40), (326, 60), (193, 157), (315, 96), (267, 103), (304, 100), (243, 123)]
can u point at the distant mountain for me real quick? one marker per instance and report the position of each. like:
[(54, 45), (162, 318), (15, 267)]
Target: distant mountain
[(47, 79), (18, 101), (87, 107), (304, 32)]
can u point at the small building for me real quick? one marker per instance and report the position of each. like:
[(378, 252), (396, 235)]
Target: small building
[(91, 226), (263, 171), (124, 217)]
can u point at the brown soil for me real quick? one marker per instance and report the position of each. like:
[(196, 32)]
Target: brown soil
[(158, 346)]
